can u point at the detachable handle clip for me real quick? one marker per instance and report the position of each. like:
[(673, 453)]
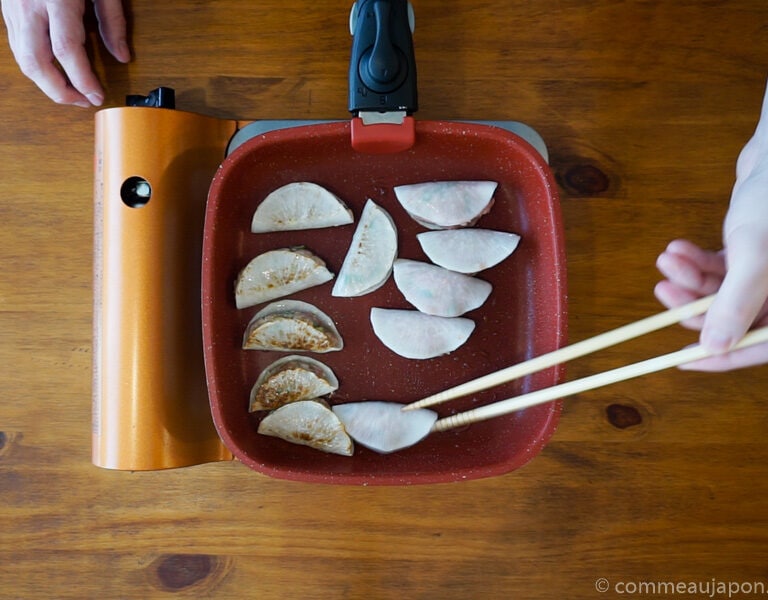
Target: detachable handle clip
[(382, 75)]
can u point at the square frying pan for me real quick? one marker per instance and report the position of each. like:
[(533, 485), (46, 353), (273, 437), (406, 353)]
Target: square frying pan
[(525, 315), (365, 159)]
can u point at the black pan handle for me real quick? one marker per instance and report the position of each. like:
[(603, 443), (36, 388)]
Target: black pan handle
[(382, 69)]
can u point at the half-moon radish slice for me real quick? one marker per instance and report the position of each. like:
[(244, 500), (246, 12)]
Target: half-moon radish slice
[(300, 205), (309, 423), (292, 326), (438, 291), (291, 379), (446, 204), (368, 262), (468, 250), (383, 426), (277, 273), (413, 334)]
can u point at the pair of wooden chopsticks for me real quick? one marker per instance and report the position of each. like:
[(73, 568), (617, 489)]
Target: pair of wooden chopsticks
[(604, 340)]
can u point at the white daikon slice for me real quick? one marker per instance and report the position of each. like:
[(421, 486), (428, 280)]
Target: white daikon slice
[(438, 291), (468, 250), (413, 334), (368, 262), (300, 205), (446, 204), (383, 426)]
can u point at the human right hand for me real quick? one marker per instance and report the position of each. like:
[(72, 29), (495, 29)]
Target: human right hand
[(692, 273), (738, 273)]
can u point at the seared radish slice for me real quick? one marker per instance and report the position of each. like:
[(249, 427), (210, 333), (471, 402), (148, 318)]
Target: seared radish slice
[(438, 291), (383, 426), (368, 262), (308, 423), (292, 326), (301, 205), (292, 379), (413, 334), (468, 250), (278, 273), (446, 204)]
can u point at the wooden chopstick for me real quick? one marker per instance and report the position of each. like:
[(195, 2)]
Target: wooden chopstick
[(593, 344), (645, 367)]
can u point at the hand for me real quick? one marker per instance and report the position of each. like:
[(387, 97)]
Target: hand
[(693, 273), (47, 38), (739, 273)]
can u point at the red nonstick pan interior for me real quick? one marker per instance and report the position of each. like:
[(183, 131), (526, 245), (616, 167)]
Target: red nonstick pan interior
[(525, 315)]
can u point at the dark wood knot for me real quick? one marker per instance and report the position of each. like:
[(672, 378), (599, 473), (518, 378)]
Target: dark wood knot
[(585, 180), (179, 571), (623, 416)]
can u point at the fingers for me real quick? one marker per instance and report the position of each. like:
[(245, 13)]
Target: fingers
[(691, 273), (711, 262), (671, 296), (67, 35), (691, 268), (48, 42), (112, 26), (28, 34), (741, 288)]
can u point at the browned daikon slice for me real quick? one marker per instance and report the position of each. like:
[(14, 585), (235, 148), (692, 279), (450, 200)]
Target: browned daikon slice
[(277, 273), (292, 326), (308, 423), (292, 379)]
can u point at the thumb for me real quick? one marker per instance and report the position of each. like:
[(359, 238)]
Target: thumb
[(743, 291)]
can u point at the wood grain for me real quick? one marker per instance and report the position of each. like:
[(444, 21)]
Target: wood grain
[(644, 106)]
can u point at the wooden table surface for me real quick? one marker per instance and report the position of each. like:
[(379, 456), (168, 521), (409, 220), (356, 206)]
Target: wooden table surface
[(644, 106)]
